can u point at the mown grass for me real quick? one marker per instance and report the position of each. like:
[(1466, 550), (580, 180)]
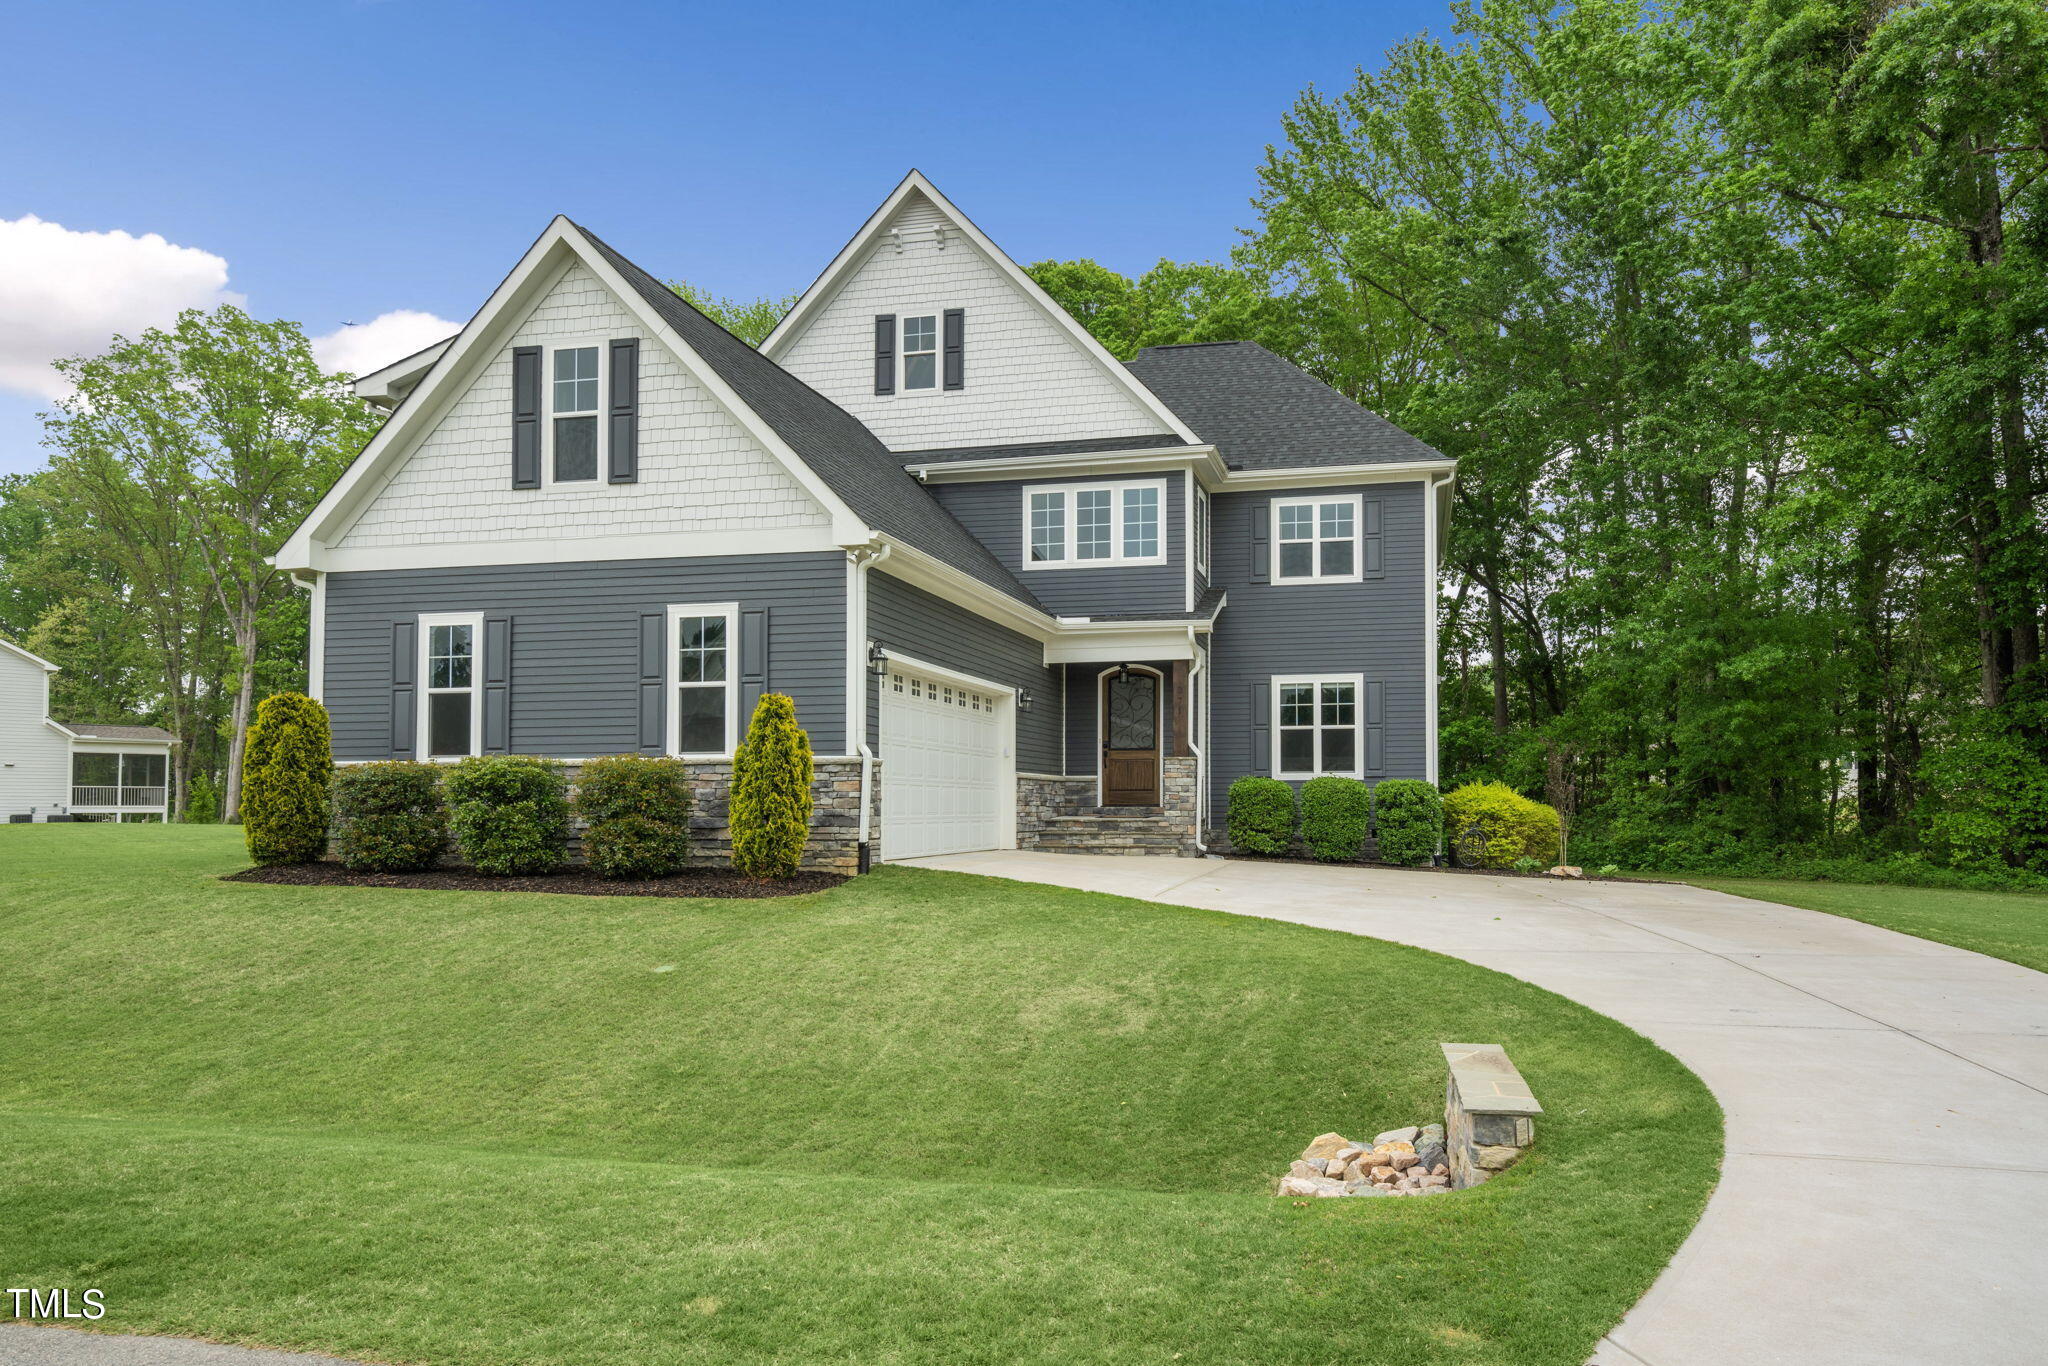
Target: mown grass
[(2008, 925), (922, 1118)]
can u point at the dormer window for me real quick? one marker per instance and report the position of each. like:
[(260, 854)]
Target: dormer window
[(921, 351), (575, 413)]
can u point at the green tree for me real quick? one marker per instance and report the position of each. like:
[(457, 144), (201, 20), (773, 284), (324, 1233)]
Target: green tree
[(751, 320), (290, 765), (771, 791)]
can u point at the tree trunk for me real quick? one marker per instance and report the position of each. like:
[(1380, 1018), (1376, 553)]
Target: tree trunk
[(1497, 641), (238, 729)]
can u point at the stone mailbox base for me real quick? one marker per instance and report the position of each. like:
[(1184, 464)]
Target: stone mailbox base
[(1489, 1112)]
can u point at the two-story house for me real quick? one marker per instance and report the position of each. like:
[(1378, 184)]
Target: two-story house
[(1023, 594), (73, 771)]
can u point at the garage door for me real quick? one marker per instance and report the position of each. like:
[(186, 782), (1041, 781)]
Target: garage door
[(942, 766)]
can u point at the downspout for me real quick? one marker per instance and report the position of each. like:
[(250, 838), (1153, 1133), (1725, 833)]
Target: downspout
[(859, 561), (1195, 741)]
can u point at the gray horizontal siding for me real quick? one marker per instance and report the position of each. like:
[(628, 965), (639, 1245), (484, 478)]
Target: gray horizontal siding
[(910, 620), (994, 512), (1376, 628), (575, 642)]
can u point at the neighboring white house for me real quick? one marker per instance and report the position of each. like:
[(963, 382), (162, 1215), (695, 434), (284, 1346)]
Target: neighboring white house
[(73, 772)]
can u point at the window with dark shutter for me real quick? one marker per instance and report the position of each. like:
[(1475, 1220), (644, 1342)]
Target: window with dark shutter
[(956, 348), (404, 644), (622, 447), (885, 353), (526, 417)]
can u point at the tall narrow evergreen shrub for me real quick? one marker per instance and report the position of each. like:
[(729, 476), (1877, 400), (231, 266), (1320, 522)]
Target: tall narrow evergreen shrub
[(771, 792), (284, 780)]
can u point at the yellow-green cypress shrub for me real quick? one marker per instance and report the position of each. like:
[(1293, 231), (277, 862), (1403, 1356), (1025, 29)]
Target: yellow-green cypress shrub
[(1508, 825), (771, 792), (284, 780)]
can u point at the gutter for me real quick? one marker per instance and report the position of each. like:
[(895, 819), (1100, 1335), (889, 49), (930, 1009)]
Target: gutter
[(861, 560), (1195, 743)]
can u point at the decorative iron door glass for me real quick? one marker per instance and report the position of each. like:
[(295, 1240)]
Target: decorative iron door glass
[(451, 689), (575, 393), (1130, 740)]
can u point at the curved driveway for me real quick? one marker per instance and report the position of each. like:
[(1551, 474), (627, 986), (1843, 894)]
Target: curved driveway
[(1884, 1198)]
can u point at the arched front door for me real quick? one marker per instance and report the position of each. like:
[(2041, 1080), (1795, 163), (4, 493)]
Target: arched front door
[(1130, 738)]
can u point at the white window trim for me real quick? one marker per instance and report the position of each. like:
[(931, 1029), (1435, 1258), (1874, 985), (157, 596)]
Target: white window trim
[(1200, 516), (425, 693), (938, 353), (1357, 682), (1357, 502), (672, 639), (1116, 523), (547, 428)]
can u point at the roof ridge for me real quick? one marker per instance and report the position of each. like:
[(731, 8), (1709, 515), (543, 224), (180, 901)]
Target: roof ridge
[(1189, 346)]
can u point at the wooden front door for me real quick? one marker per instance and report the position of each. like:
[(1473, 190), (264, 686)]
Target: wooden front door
[(1130, 739)]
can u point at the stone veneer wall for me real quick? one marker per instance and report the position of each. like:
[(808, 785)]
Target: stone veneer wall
[(1059, 815), (1489, 1112), (834, 845)]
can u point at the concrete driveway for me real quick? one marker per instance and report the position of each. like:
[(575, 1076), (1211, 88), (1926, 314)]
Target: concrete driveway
[(1884, 1200)]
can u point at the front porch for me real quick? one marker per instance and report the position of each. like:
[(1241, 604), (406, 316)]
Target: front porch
[(1132, 780)]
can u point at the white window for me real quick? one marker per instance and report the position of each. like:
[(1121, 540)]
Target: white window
[(574, 434), (1201, 527), (703, 677), (1315, 540), (1076, 526), (921, 351), (1317, 725), (451, 720)]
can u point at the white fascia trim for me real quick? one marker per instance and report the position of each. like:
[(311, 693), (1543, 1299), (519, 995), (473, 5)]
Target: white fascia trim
[(45, 664), (924, 667), (675, 545), (914, 567), (1319, 476), (91, 742), (855, 251), (1202, 459), (1123, 641), (65, 731), (381, 386), (550, 254)]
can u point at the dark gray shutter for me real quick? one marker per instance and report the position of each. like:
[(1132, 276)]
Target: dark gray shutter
[(1262, 728), (653, 682), (1261, 549), (526, 417), (885, 353), (753, 664), (955, 348), (497, 685), (1375, 701), (404, 660), (622, 446), (1371, 544)]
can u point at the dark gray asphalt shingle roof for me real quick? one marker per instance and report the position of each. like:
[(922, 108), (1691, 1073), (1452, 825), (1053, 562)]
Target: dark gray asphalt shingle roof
[(1206, 607), (94, 732), (1094, 446), (1263, 412), (836, 445)]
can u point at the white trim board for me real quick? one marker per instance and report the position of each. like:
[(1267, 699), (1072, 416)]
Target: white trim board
[(856, 250)]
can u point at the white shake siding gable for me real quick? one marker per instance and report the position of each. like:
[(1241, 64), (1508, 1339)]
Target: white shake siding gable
[(1026, 379), (699, 469), (35, 761)]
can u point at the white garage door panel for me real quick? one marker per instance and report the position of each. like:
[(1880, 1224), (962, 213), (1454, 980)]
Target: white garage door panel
[(942, 767)]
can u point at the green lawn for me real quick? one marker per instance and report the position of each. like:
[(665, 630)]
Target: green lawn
[(2009, 925), (923, 1118)]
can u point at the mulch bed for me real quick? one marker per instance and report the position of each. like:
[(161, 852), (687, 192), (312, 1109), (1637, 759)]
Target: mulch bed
[(694, 882), (1426, 868)]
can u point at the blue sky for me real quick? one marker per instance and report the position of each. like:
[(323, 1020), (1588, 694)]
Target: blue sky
[(349, 160)]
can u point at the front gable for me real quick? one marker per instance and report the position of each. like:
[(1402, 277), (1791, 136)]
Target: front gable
[(1030, 373), (700, 471)]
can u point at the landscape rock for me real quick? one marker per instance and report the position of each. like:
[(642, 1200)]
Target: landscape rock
[(1384, 1173), (1494, 1157), (1432, 1152), (1401, 1162), (1325, 1146), (1408, 1135), (1310, 1185), (1567, 870), (1303, 1167)]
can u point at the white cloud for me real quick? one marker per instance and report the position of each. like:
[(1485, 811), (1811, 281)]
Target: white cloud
[(359, 348), (65, 293)]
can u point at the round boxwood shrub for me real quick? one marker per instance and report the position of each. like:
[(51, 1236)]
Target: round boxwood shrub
[(1408, 815), (388, 817), (1334, 815), (509, 813), (638, 814), (771, 792), (1260, 815), (284, 780), (1492, 825)]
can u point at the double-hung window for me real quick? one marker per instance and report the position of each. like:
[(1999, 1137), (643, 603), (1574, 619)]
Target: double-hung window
[(1077, 526), (1201, 527), (1316, 540), (451, 713), (703, 681), (921, 351), (1317, 725), (573, 391)]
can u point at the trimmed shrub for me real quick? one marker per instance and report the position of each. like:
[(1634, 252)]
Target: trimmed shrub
[(1260, 815), (1334, 815), (1408, 817), (638, 809), (509, 813), (388, 817), (771, 792), (1491, 825), (284, 780)]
